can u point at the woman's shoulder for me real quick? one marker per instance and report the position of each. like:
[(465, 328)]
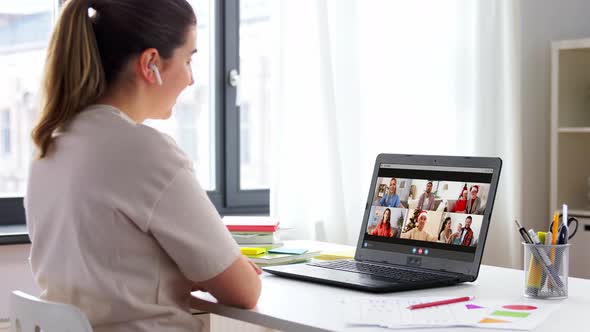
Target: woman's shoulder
[(113, 132), (154, 146)]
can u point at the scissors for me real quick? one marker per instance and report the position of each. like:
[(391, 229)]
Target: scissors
[(565, 230)]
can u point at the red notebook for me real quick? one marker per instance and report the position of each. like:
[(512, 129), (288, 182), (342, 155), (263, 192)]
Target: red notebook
[(250, 224)]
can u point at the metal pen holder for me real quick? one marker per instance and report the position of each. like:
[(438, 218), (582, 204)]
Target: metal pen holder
[(546, 270)]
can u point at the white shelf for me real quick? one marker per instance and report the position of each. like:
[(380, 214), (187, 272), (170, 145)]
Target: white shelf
[(580, 213), (571, 44), (569, 129), (574, 130)]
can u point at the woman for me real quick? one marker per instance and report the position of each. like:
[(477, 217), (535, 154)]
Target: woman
[(119, 225), (461, 205), (391, 198), (384, 227), (418, 232), (446, 233)]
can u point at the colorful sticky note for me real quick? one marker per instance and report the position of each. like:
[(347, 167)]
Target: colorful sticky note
[(287, 251), (519, 307), (252, 251), (510, 314), (492, 320), (473, 306)]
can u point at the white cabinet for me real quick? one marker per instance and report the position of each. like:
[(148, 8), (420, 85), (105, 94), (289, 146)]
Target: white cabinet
[(570, 142)]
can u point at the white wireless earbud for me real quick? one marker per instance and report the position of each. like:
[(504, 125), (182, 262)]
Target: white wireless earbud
[(157, 73)]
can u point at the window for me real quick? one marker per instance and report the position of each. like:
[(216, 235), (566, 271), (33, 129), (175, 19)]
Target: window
[(255, 54), (247, 102), (24, 34), (5, 146), (225, 141)]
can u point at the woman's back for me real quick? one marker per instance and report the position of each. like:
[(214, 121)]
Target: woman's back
[(119, 226)]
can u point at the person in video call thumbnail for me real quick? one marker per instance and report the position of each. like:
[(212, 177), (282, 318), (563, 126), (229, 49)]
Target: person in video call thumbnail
[(384, 227), (474, 204), (418, 232), (426, 201), (446, 233), (456, 237), (461, 206), (390, 198), (467, 233)]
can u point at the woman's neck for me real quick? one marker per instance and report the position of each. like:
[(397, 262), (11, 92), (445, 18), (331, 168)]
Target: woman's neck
[(126, 101)]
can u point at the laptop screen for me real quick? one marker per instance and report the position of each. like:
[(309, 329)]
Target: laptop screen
[(430, 211)]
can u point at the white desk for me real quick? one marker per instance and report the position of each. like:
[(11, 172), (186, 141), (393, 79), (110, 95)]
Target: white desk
[(291, 305)]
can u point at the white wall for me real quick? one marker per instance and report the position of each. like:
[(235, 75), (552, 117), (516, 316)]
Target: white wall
[(542, 22), (453, 191)]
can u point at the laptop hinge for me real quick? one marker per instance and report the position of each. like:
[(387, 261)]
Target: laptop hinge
[(460, 276)]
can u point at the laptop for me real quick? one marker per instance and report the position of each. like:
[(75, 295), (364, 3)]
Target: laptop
[(425, 225)]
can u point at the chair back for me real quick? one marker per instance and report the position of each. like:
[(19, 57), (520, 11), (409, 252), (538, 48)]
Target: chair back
[(30, 314)]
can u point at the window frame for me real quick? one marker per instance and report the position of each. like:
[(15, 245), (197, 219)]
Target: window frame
[(236, 200), (227, 197)]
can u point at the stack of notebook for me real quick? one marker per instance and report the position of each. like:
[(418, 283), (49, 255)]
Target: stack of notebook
[(277, 256), (254, 231)]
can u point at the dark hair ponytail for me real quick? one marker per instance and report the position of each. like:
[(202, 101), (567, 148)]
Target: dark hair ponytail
[(73, 73)]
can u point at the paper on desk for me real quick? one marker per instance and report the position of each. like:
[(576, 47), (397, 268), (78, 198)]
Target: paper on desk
[(393, 313), (504, 316)]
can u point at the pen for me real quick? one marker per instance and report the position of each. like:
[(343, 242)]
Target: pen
[(564, 215), (443, 302), (523, 233)]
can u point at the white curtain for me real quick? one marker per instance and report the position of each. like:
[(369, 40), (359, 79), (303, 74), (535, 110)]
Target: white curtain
[(358, 78)]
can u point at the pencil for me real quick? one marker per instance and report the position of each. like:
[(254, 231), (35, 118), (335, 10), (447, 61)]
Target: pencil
[(443, 302)]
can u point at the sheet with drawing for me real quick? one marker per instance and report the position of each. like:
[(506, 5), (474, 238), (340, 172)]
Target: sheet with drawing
[(393, 313)]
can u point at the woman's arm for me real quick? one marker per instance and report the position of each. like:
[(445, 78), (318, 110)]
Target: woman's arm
[(238, 286), (374, 230)]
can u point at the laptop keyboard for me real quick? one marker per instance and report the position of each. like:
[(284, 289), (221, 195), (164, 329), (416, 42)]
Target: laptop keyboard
[(378, 270)]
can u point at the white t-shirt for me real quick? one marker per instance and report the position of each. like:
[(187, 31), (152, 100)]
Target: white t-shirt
[(120, 227), (416, 234)]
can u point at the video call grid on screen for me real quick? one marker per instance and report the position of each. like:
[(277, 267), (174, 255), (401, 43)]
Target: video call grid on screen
[(419, 202)]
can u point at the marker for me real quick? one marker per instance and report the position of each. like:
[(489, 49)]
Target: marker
[(542, 237), (443, 302), (534, 236), (548, 238), (535, 274)]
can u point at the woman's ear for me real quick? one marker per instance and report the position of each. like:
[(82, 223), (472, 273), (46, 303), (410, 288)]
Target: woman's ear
[(148, 66)]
